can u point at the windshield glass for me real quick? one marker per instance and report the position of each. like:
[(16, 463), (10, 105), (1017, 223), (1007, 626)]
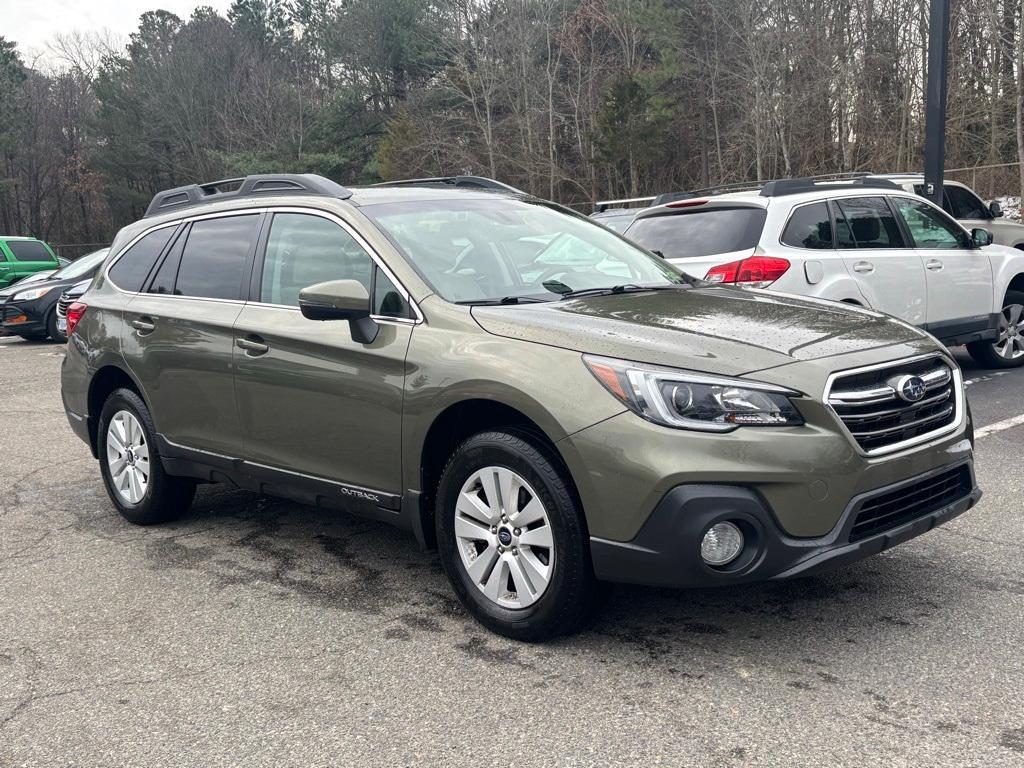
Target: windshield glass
[(80, 267), (699, 233), (487, 250)]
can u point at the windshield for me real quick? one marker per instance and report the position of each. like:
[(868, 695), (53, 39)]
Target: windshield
[(81, 267), (505, 248), (700, 233), (617, 221)]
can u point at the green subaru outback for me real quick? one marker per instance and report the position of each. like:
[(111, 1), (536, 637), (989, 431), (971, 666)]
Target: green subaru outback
[(547, 404), (24, 256)]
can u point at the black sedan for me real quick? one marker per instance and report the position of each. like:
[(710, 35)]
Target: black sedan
[(29, 310)]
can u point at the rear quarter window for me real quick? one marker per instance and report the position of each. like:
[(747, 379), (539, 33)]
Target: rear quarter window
[(699, 232), (29, 250), (809, 226), (132, 267)]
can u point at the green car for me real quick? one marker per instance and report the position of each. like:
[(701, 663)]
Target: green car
[(24, 256), (546, 403)]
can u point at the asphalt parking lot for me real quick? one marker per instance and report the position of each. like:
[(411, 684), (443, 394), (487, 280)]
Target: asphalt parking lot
[(261, 632)]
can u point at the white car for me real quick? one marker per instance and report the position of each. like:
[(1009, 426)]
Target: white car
[(862, 241), (964, 205)]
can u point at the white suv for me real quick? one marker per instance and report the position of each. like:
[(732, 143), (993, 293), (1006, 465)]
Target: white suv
[(864, 241)]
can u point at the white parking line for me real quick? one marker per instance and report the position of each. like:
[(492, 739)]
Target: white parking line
[(986, 377), (999, 426)]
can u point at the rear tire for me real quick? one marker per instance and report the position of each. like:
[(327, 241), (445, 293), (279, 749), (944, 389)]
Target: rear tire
[(130, 463), (530, 581), (1008, 350)]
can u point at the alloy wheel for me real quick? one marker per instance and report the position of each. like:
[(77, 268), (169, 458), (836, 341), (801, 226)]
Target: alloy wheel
[(128, 457), (1010, 344), (504, 537)]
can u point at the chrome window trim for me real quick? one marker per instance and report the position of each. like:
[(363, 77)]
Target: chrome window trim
[(269, 209), (376, 318), (958, 395)]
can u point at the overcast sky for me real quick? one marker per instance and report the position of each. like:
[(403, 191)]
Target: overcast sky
[(33, 23)]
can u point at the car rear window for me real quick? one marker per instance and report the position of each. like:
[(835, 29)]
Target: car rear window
[(215, 256), (29, 250), (699, 233)]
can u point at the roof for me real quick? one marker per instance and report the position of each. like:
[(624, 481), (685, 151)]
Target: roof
[(19, 237)]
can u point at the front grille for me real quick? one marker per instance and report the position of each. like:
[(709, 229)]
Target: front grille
[(62, 305), (889, 510), (879, 418)]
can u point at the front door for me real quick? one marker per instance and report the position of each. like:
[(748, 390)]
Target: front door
[(888, 272), (178, 338), (959, 275), (312, 400)]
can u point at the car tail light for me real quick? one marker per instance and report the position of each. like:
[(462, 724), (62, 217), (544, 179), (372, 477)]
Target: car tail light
[(755, 272), (75, 313)]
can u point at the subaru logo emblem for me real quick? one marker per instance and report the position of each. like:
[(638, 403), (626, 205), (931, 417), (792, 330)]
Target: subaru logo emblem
[(910, 388)]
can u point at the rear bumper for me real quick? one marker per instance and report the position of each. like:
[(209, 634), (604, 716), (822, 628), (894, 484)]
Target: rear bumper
[(666, 551)]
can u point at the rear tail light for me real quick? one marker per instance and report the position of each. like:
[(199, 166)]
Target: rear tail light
[(754, 272), (75, 313)]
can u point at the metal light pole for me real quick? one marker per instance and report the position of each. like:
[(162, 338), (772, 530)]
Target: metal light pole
[(935, 101)]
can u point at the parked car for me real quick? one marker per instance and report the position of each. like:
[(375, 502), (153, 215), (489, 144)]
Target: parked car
[(30, 310), (69, 297), (863, 241), (23, 256), (963, 204), (590, 414), (617, 215)]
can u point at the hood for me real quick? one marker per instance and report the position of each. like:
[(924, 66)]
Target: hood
[(722, 330)]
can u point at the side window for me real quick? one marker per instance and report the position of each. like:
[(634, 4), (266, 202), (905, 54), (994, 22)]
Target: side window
[(867, 222), (809, 226), (964, 204), (929, 227), (130, 270), (387, 300), (215, 256), (29, 250), (303, 250), (163, 281)]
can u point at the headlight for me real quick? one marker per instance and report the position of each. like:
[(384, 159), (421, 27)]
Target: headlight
[(29, 295), (692, 400)]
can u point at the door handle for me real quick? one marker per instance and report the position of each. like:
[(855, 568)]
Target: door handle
[(864, 267), (253, 346), (144, 325), (934, 265)]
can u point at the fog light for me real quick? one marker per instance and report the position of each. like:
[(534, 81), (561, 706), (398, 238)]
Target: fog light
[(722, 544)]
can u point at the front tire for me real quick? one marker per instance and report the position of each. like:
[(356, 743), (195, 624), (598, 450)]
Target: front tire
[(51, 328), (1008, 350), (130, 463), (512, 538)]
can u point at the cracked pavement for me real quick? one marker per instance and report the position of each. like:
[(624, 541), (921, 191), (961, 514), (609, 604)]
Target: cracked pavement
[(260, 632)]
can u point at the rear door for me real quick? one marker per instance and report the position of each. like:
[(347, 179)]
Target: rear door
[(959, 276), (311, 399), (887, 270), (179, 331)]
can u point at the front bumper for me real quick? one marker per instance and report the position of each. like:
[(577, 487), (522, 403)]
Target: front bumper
[(666, 551), (23, 316)]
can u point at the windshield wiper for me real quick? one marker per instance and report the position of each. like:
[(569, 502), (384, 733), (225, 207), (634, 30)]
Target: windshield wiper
[(502, 301), (616, 289)]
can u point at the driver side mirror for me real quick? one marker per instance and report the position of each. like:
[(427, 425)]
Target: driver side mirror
[(341, 300), (981, 237), (995, 209)]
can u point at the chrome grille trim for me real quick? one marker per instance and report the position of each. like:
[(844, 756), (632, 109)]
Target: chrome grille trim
[(946, 376)]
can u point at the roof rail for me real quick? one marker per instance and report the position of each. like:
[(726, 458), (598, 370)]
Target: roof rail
[(247, 186), (475, 182), (604, 205), (745, 186), (782, 187)]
